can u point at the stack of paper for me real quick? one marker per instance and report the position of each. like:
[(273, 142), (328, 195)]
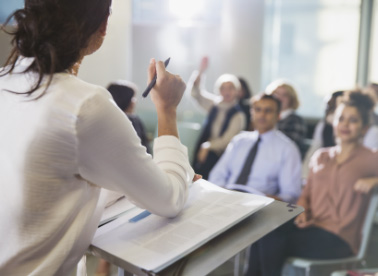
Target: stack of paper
[(153, 243)]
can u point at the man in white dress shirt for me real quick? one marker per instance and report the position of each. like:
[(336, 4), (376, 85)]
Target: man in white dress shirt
[(276, 169)]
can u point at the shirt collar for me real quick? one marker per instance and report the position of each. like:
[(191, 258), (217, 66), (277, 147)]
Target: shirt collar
[(22, 63), (25, 61), (355, 151), (266, 135)]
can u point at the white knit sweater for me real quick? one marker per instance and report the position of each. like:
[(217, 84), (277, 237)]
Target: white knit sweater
[(56, 152)]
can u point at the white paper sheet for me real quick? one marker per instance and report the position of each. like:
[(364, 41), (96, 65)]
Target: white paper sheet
[(119, 207), (244, 188), (153, 242)]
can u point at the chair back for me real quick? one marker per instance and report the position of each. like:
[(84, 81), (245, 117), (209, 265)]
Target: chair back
[(311, 267), (368, 224)]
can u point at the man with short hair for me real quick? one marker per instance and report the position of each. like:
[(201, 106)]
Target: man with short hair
[(264, 161)]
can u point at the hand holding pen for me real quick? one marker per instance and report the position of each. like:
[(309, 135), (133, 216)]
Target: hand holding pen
[(169, 88), (153, 81)]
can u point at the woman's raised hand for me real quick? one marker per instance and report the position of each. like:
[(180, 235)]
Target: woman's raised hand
[(203, 66)]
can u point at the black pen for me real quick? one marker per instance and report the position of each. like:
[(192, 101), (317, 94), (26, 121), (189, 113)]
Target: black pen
[(153, 82)]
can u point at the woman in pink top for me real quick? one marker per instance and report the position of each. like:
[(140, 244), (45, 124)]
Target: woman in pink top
[(335, 198)]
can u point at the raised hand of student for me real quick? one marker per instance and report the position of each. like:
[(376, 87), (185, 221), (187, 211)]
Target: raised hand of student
[(203, 66), (365, 185)]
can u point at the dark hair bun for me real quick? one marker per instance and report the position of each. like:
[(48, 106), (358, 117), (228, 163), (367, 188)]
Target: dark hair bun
[(50, 37), (55, 33), (122, 93), (361, 100)]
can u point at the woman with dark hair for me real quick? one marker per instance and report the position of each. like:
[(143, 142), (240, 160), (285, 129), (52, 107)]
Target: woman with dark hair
[(324, 136), (335, 197), (372, 90), (62, 140), (123, 93), (245, 95)]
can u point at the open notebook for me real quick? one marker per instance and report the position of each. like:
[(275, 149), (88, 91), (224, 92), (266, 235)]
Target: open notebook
[(153, 243)]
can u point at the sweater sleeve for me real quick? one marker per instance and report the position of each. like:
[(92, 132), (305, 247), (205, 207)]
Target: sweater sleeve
[(110, 155), (236, 125), (204, 98)]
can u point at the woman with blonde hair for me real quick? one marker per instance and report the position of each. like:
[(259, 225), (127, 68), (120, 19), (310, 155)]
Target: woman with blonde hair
[(290, 123)]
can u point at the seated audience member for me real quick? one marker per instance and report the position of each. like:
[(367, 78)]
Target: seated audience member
[(335, 197), (371, 137), (370, 140), (123, 93), (372, 90), (290, 123), (264, 161), (323, 135), (245, 95), (225, 118)]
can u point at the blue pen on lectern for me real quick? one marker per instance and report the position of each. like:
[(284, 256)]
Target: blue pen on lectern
[(140, 216), (153, 82)]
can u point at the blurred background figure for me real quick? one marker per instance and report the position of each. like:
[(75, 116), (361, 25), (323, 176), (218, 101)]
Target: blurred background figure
[(324, 131), (323, 135), (290, 123), (264, 161), (335, 197), (372, 91), (225, 117), (245, 94), (123, 93)]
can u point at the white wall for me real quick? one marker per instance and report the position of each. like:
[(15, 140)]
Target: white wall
[(113, 60), (5, 47), (233, 46)]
